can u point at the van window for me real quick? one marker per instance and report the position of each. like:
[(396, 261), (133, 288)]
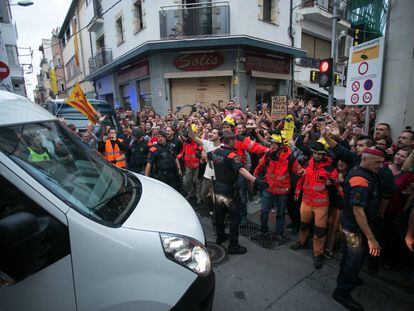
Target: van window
[(30, 238), (80, 177)]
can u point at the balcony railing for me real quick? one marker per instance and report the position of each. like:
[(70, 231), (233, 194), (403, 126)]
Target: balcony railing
[(327, 5), (195, 20), (100, 59)]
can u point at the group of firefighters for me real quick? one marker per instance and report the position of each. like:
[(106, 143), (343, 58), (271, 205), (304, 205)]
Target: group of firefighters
[(333, 184)]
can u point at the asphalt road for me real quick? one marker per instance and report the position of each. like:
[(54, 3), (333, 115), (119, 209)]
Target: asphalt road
[(282, 279)]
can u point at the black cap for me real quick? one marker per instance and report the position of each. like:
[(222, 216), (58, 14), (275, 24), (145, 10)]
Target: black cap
[(318, 147), (137, 132)]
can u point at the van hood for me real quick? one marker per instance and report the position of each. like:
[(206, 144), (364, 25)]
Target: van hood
[(162, 209)]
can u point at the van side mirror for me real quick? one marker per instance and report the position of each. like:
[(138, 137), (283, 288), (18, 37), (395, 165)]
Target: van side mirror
[(23, 245)]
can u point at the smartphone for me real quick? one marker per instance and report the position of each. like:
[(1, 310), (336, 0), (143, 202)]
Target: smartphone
[(321, 119)]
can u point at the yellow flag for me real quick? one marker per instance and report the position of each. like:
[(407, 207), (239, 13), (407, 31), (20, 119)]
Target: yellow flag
[(53, 81), (289, 128), (78, 100), (75, 43)]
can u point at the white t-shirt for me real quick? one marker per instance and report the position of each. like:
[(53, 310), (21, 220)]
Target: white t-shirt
[(208, 146)]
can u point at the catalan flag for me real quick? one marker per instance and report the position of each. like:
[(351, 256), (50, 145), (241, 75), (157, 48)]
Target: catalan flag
[(78, 100)]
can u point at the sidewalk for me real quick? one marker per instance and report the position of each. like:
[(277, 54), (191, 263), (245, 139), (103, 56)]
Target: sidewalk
[(281, 279)]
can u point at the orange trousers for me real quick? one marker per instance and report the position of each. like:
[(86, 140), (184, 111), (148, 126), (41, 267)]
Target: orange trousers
[(320, 214)]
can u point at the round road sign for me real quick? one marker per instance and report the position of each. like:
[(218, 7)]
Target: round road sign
[(368, 84), (363, 68), (4, 71), (355, 86), (367, 97), (354, 98)]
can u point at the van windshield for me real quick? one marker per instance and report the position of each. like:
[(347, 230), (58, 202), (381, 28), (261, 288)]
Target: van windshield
[(79, 176)]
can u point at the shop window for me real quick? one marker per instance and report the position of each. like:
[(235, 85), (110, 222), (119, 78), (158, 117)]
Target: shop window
[(138, 21), (144, 91), (126, 99), (268, 11), (120, 31), (12, 58)]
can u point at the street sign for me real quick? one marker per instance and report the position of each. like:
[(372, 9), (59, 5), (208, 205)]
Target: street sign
[(4, 71), (279, 107), (363, 85)]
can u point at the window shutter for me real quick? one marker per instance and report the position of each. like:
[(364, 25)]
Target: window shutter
[(144, 12), (274, 17), (260, 5)]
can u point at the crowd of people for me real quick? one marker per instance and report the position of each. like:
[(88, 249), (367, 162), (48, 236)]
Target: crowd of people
[(332, 181)]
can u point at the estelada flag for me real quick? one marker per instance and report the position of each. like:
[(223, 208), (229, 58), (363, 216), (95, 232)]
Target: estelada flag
[(78, 100)]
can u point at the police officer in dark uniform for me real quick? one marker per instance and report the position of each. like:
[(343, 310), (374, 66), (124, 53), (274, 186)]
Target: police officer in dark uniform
[(227, 167), (361, 207), (163, 158), (136, 152)]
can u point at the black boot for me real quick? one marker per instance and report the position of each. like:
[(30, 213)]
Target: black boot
[(236, 249), (345, 299), (222, 238), (298, 246), (318, 262)]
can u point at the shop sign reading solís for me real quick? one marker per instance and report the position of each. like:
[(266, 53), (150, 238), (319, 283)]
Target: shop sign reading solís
[(199, 62)]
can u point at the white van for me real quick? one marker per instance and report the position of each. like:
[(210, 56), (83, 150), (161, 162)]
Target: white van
[(77, 233)]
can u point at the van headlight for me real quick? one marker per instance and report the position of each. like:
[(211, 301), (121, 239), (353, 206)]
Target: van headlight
[(186, 252)]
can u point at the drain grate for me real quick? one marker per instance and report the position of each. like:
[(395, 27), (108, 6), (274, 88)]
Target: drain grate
[(250, 230), (217, 253)]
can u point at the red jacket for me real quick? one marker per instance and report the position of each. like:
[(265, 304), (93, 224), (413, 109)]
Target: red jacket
[(247, 145), (189, 153), (277, 172), (313, 183)]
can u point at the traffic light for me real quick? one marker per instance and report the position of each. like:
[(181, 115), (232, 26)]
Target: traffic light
[(325, 72)]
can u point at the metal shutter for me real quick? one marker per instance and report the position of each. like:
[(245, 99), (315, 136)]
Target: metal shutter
[(187, 92)]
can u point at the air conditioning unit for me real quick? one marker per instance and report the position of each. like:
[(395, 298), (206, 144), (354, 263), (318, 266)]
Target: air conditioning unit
[(344, 45)]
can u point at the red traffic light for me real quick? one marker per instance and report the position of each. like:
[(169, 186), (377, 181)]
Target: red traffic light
[(324, 66)]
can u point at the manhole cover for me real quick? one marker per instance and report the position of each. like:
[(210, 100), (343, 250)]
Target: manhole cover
[(217, 253)]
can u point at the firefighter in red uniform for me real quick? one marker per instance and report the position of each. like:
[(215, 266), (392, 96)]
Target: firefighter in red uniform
[(315, 201), (276, 167), (191, 153)]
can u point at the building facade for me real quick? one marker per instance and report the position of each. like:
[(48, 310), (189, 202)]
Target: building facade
[(75, 45), (313, 20), (397, 108), (9, 53), (58, 61), (173, 54)]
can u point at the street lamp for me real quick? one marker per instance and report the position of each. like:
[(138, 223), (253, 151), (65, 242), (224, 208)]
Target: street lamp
[(22, 3)]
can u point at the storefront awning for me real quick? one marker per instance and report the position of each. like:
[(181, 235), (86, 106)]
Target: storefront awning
[(339, 91), (227, 42)]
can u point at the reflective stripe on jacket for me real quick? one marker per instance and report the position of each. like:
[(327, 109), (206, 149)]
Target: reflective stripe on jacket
[(113, 153), (313, 183)]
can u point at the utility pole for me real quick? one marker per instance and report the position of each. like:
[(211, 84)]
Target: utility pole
[(333, 52)]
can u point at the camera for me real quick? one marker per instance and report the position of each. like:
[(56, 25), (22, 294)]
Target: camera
[(321, 119)]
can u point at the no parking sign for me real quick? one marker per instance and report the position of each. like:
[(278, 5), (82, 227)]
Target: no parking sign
[(363, 85)]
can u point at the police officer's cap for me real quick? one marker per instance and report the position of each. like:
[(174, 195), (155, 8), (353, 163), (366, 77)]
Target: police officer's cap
[(162, 133), (137, 132)]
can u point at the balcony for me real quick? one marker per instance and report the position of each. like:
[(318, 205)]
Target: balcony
[(195, 20), (100, 59), (320, 11), (94, 16)]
